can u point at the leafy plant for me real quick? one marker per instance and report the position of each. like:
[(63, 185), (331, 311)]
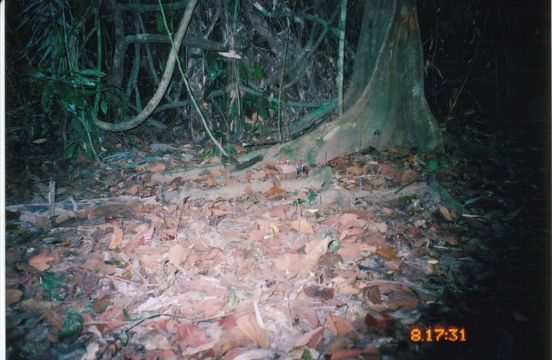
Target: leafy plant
[(69, 95), (52, 284), (72, 326), (440, 162)]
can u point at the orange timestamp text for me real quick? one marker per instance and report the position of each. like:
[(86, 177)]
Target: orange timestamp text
[(437, 334)]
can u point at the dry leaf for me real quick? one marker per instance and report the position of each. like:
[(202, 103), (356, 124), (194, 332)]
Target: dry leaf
[(101, 304), (139, 240), (374, 239), (13, 296), (380, 227), (41, 260), (451, 240), (302, 226), (133, 190), (286, 169), (344, 354), (250, 328), (61, 218), (116, 238), (362, 214), (349, 220), (240, 149), (211, 182), (337, 161), (177, 254), (192, 258), (290, 263), (248, 191), (276, 191), (314, 250), (155, 168), (408, 176), (311, 338), (387, 253), (391, 296), (110, 211), (190, 336), (91, 350), (356, 170), (338, 325), (389, 171), (445, 212), (350, 252), (319, 292), (246, 332), (306, 313)]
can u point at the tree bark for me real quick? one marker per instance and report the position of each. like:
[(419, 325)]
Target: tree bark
[(385, 102)]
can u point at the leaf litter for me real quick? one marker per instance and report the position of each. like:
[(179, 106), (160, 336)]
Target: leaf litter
[(263, 263)]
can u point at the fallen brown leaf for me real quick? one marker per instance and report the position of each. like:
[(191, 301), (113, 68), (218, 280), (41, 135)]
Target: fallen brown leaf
[(13, 296), (155, 168), (387, 253), (211, 182), (133, 190), (41, 260), (240, 149), (448, 239), (250, 328), (189, 335), (343, 354), (445, 212), (276, 191), (246, 332), (319, 292), (139, 240), (338, 325), (302, 226), (177, 254), (390, 171), (408, 176), (116, 238), (310, 338)]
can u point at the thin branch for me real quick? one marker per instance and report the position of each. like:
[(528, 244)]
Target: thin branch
[(165, 80), (183, 75), (189, 41), (151, 7), (340, 60)]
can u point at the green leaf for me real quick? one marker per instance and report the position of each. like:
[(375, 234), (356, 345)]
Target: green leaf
[(159, 26), (471, 201), (39, 75), (72, 326), (46, 97), (311, 196), (306, 355), (91, 72), (103, 106), (123, 337), (256, 72), (216, 69), (433, 164), (83, 81), (333, 247), (298, 202), (51, 283)]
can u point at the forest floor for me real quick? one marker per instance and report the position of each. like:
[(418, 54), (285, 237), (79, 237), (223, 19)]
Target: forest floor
[(160, 253)]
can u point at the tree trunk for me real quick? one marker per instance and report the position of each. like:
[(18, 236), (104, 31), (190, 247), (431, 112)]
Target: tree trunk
[(385, 102)]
